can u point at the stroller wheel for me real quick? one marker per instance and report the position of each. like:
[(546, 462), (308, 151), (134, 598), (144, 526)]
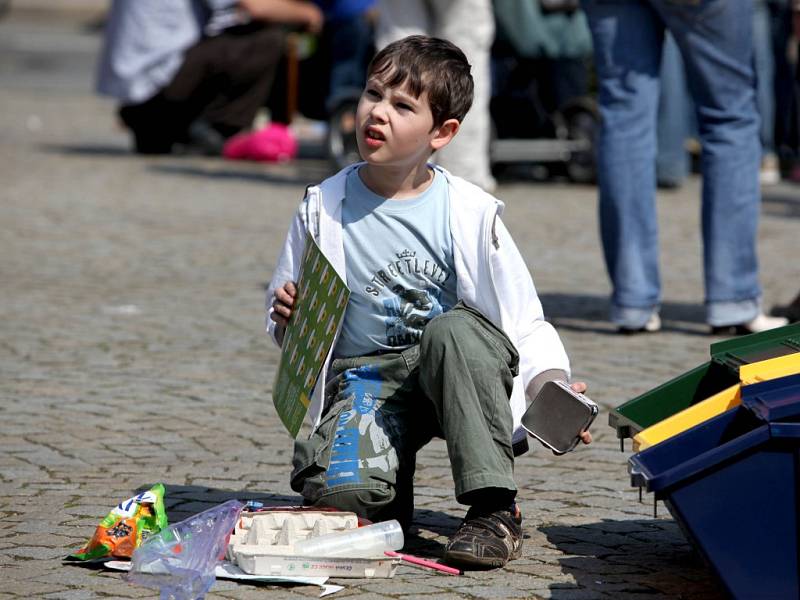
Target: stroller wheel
[(582, 125), (341, 141)]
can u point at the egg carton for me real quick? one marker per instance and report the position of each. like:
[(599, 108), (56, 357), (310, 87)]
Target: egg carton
[(262, 543)]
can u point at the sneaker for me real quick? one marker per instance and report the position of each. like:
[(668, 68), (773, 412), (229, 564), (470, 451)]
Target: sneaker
[(761, 323), (770, 172), (486, 540), (273, 143), (653, 324), (794, 174)]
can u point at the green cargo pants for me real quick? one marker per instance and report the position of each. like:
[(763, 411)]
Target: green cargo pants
[(381, 409)]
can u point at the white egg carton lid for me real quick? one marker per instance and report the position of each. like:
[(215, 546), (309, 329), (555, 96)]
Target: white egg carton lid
[(262, 543)]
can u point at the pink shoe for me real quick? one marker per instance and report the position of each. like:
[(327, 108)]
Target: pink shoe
[(273, 143), (794, 175)]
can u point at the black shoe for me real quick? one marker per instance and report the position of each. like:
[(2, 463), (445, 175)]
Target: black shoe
[(791, 311), (486, 540), (760, 323), (201, 140)]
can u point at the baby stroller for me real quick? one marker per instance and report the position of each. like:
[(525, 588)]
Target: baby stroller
[(340, 141), (540, 108)]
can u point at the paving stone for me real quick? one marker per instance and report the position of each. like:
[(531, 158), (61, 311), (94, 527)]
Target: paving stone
[(38, 552), (26, 588), (399, 586), (72, 595)]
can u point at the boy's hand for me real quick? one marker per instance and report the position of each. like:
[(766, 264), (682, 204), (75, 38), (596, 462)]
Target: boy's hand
[(581, 387), (283, 303)]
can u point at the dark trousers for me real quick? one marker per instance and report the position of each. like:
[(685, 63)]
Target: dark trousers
[(381, 409), (222, 82)]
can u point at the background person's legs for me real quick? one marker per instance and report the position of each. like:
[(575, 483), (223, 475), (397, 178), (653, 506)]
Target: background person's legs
[(351, 43), (469, 24), (154, 124), (221, 84), (787, 135), (628, 38), (764, 65), (674, 118), (715, 38), (225, 79)]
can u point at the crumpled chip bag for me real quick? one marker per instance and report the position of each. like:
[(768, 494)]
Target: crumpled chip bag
[(126, 526)]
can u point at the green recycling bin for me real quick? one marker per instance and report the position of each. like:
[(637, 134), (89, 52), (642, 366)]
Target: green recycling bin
[(732, 483), (694, 386)]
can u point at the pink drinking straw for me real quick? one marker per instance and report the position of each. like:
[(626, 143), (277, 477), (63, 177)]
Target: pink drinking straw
[(422, 562)]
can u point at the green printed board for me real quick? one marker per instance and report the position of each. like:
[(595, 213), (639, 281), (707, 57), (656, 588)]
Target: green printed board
[(319, 309)]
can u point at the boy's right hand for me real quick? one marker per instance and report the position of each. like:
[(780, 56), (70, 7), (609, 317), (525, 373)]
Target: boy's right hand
[(283, 303), (581, 387)]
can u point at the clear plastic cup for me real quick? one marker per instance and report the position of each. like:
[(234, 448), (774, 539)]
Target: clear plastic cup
[(370, 541)]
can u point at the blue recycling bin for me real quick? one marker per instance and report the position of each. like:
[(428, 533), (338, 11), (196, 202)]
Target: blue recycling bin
[(733, 485)]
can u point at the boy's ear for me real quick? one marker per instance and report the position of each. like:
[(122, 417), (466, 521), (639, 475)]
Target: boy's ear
[(444, 133)]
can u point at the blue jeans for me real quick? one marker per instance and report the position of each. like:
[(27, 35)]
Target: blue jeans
[(715, 40), (764, 63), (675, 121), (349, 41)]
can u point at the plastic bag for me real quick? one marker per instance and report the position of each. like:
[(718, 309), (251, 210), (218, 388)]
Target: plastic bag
[(126, 526), (181, 559)]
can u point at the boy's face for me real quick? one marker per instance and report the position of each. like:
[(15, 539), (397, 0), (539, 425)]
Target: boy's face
[(393, 128)]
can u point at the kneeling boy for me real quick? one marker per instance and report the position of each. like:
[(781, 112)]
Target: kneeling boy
[(443, 335)]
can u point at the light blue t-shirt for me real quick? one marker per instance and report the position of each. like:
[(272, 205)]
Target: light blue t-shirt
[(400, 270)]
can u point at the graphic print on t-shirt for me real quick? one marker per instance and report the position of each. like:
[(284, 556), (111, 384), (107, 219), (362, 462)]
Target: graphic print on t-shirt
[(409, 309)]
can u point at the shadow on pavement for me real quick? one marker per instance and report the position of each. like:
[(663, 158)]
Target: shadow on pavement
[(301, 175), (433, 521), (642, 556), (589, 313), (183, 501), (299, 172), (779, 203), (86, 150)]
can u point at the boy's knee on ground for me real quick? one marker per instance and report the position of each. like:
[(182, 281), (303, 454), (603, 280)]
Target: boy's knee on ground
[(365, 502)]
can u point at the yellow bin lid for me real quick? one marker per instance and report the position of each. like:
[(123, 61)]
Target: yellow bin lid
[(770, 369), (718, 403), (688, 418)]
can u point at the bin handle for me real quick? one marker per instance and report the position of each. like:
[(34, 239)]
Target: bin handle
[(784, 430), (636, 471), (706, 460)]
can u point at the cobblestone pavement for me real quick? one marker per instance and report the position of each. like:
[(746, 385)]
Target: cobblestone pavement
[(132, 351)]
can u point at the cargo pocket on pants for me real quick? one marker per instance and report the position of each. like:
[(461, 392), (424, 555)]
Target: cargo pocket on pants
[(312, 457)]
